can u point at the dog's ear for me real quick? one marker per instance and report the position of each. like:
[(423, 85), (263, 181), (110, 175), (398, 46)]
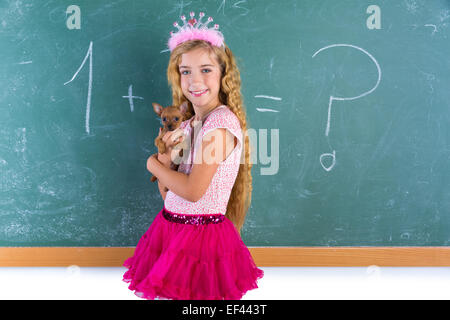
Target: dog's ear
[(183, 107), (158, 108)]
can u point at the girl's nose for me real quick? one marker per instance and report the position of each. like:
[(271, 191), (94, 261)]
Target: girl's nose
[(196, 78)]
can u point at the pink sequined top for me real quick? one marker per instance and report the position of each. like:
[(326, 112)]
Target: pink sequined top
[(216, 197)]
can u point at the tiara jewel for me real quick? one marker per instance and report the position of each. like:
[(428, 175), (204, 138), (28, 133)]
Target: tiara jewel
[(194, 29)]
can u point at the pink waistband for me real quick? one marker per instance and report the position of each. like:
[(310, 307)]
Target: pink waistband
[(194, 219)]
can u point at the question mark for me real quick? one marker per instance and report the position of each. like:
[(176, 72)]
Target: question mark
[(332, 98)]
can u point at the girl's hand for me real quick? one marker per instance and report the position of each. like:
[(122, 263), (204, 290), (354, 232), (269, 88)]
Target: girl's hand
[(164, 158), (170, 138), (151, 161)]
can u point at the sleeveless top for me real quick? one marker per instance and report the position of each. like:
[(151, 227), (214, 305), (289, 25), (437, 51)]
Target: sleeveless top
[(216, 197)]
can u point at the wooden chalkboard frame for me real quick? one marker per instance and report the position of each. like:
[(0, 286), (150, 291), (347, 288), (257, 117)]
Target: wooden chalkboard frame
[(263, 256), (313, 55)]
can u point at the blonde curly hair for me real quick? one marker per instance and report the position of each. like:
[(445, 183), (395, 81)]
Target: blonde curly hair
[(230, 95)]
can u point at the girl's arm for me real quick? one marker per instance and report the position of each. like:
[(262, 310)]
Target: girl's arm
[(165, 159), (216, 146), (161, 190), (175, 181)]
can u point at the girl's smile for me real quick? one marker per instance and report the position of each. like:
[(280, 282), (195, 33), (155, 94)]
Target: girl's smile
[(198, 93)]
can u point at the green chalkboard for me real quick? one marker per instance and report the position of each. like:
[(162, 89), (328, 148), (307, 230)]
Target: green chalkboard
[(347, 101)]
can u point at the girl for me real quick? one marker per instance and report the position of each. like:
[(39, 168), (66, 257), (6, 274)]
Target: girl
[(193, 249)]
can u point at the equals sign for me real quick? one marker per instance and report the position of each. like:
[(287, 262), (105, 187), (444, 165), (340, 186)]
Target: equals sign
[(266, 109)]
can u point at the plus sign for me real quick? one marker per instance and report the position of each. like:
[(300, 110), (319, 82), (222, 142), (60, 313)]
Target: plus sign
[(130, 97)]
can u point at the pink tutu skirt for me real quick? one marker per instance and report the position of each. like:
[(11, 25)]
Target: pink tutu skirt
[(191, 257)]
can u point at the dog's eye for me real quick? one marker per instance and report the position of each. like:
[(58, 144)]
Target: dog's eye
[(164, 119), (176, 118)]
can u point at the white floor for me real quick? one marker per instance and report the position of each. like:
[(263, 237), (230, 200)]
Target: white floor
[(278, 283)]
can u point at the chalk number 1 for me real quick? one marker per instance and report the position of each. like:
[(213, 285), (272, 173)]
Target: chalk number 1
[(88, 104)]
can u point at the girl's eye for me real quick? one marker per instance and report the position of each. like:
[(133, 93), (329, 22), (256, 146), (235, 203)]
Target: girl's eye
[(186, 72)]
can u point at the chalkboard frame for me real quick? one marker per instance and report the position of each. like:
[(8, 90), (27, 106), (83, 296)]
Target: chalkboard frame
[(263, 256)]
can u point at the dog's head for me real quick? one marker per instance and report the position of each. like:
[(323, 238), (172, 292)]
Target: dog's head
[(171, 116)]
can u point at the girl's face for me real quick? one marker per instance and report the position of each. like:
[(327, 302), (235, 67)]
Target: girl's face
[(200, 78)]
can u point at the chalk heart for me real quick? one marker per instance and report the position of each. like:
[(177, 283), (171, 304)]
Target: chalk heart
[(333, 160)]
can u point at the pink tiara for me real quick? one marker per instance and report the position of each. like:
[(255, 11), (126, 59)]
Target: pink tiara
[(195, 30)]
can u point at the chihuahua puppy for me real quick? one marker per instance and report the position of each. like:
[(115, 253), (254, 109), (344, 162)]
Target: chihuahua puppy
[(171, 118)]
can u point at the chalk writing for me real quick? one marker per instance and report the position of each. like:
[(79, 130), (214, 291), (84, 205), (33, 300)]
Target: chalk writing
[(88, 104)]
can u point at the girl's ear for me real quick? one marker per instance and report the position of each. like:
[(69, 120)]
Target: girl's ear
[(183, 107)]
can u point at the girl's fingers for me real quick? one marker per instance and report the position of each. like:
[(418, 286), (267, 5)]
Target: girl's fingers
[(166, 136), (177, 134), (172, 144)]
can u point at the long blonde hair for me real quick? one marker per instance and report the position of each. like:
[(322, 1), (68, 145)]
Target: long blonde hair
[(230, 95)]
